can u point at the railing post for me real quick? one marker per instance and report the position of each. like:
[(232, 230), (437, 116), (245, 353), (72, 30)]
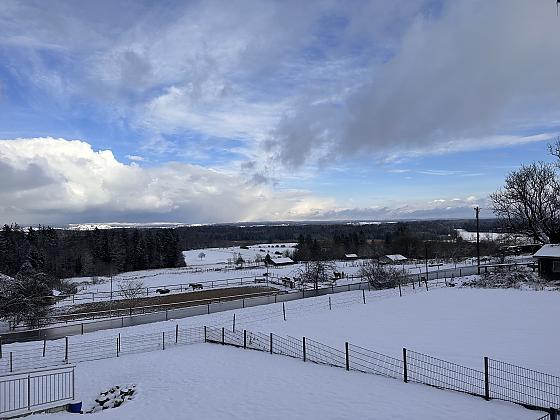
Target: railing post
[(405, 367), (486, 380), (347, 356), (304, 352), (270, 343), (29, 392), (245, 339)]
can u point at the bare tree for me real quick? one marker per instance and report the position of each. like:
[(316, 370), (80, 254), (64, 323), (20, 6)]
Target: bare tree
[(316, 272), (380, 276), (131, 289), (201, 255), (529, 202)]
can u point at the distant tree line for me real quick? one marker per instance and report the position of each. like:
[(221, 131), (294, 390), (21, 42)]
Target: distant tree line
[(67, 253)]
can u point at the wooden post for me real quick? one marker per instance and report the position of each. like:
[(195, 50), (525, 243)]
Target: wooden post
[(233, 323), (166, 317), (304, 352), (270, 343), (11, 362), (223, 336), (44, 347), (66, 349), (119, 342), (205, 334), (117, 346), (243, 302), (364, 296), (284, 310), (208, 308), (176, 333), (486, 380), (347, 356), (163, 340), (405, 369), (244, 339), (400, 291), (82, 328), (330, 305)]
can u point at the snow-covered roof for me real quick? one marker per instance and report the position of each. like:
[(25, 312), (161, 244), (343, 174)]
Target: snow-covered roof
[(351, 255), (548, 251), (396, 257), (282, 260)]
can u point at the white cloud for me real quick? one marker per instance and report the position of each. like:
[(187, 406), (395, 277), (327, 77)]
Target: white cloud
[(57, 180)]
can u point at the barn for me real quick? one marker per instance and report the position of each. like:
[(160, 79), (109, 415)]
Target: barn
[(548, 259), (392, 259), (278, 262)]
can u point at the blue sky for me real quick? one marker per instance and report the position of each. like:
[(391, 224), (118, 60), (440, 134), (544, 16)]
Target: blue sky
[(209, 111)]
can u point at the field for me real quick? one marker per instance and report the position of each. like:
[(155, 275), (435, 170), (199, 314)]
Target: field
[(456, 324)]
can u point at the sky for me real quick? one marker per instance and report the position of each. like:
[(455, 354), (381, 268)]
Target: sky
[(227, 111)]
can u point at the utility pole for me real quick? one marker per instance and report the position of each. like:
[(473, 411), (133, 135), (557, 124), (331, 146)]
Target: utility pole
[(426, 251), (477, 211)]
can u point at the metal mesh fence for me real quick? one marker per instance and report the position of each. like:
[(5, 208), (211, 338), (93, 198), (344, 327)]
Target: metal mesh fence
[(287, 346), (323, 354), (443, 374), (521, 385), (369, 361)]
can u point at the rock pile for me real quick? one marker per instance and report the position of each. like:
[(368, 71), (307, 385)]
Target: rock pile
[(112, 398)]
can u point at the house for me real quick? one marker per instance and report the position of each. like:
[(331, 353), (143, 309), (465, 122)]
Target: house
[(350, 257), (392, 259), (548, 259), (282, 261)]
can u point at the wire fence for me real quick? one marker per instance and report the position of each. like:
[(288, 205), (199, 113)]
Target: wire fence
[(498, 380)]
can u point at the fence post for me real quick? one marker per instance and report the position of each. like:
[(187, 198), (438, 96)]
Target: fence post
[(243, 303), (347, 356), (400, 291), (553, 413), (330, 306), (304, 352), (233, 323), (163, 340), (11, 362), (176, 333), (166, 317), (0, 346), (66, 349), (486, 380), (284, 310), (44, 347), (245, 339), (117, 346), (223, 336), (405, 368), (208, 308), (82, 328), (364, 296), (426, 284), (205, 334), (270, 343)]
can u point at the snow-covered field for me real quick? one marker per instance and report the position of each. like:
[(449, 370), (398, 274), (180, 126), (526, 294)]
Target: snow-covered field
[(224, 256), (460, 325), (212, 382)]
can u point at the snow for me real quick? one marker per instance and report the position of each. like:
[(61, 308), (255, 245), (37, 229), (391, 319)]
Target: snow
[(207, 381), (395, 257), (548, 250), (484, 236), (223, 256)]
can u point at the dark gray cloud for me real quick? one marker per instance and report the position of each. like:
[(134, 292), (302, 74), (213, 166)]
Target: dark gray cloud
[(478, 69)]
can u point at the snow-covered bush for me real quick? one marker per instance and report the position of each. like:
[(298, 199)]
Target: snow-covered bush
[(504, 278)]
